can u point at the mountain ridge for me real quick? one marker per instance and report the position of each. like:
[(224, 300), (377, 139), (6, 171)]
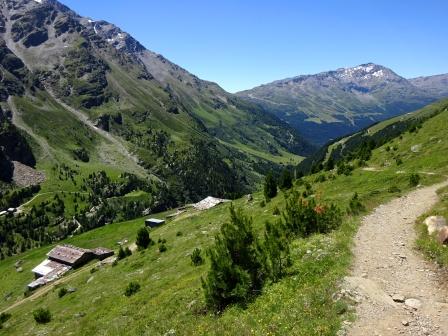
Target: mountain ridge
[(334, 103), (65, 62)]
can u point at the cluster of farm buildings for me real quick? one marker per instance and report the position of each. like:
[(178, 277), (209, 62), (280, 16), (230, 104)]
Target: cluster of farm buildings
[(61, 259)]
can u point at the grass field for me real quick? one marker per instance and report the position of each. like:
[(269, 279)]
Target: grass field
[(171, 301)]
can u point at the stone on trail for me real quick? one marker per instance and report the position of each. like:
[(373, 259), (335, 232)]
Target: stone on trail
[(398, 298), (413, 303), (435, 223), (442, 237)]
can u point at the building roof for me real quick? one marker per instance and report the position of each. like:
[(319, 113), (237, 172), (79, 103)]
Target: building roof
[(101, 250), (48, 266), (155, 220), (67, 253), (209, 202)]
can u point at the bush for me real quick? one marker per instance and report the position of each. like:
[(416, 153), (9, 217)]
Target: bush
[(178, 233), (196, 258), (344, 169), (42, 315), (121, 253), (127, 251), (393, 189), (3, 318), (305, 217), (355, 207), (276, 251), (162, 248), (236, 268), (276, 211), (262, 204), (414, 180), (132, 288), (62, 292), (143, 239), (285, 181), (320, 178), (270, 187)]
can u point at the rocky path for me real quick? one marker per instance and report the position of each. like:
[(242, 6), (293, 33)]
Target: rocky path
[(398, 292)]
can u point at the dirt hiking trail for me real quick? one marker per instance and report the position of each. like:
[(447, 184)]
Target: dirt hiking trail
[(397, 291)]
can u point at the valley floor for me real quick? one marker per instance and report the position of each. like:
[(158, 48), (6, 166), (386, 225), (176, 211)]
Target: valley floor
[(399, 292)]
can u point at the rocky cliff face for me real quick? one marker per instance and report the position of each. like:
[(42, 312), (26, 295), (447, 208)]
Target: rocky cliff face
[(13, 147), (334, 103)]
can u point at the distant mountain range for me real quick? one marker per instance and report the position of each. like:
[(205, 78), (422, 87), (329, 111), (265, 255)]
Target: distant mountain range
[(335, 103)]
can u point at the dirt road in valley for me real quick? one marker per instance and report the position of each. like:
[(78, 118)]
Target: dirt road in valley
[(398, 292)]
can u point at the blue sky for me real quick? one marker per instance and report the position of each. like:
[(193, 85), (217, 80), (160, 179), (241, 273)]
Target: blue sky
[(243, 43)]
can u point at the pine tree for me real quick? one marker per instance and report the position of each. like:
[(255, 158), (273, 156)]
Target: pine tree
[(285, 181), (276, 250), (143, 239), (270, 186), (121, 253), (236, 271)]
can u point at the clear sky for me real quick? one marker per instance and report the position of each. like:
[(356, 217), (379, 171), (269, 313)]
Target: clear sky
[(244, 43)]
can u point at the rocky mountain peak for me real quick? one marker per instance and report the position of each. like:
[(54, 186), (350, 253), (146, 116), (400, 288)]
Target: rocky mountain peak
[(367, 72), (114, 35)]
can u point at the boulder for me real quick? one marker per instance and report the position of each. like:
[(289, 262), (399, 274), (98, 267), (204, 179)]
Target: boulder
[(442, 236), (435, 223), (416, 148)]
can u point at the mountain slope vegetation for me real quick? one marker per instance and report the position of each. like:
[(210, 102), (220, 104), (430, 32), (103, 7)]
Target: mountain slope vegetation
[(83, 98), (305, 301)]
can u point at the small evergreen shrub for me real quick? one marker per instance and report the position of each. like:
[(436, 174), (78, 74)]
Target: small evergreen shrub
[(344, 169), (121, 253), (42, 315), (178, 233), (305, 217), (132, 288), (276, 211), (414, 180), (285, 181), (3, 318), (196, 257), (355, 207), (62, 292), (236, 267), (127, 251), (393, 189), (270, 187), (275, 248), (262, 204), (162, 248), (143, 239)]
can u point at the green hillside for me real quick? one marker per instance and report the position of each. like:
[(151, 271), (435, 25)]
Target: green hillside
[(171, 301), (89, 110)]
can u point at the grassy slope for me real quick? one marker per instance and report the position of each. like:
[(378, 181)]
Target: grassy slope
[(428, 244), (300, 304)]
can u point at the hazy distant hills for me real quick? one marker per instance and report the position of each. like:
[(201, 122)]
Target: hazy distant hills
[(334, 103)]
